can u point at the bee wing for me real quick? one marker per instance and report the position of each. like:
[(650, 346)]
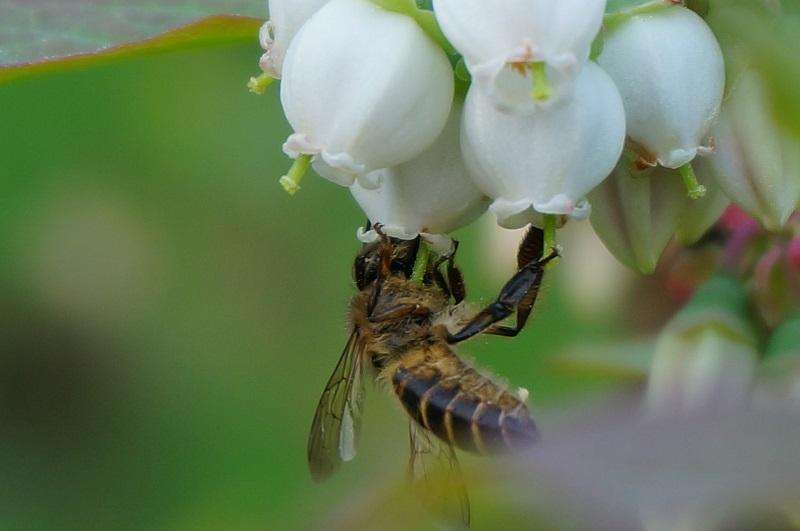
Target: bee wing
[(337, 421), (435, 474)]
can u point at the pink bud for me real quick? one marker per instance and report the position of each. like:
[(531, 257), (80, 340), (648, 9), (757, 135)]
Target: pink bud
[(793, 254)]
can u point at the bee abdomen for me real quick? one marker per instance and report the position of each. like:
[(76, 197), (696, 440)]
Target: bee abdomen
[(460, 417)]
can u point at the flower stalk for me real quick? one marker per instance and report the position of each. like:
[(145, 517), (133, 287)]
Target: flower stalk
[(291, 181), (421, 263), (694, 189), (612, 19)]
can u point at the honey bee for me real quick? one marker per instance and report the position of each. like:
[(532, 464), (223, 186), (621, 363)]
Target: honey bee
[(403, 333)]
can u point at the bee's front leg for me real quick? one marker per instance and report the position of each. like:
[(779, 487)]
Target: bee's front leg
[(519, 294)]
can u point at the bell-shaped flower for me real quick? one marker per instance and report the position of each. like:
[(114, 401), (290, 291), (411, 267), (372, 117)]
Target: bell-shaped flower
[(428, 195), (286, 17), (706, 356), (546, 162), (522, 53), (756, 163), (364, 88), (669, 68), (637, 212)]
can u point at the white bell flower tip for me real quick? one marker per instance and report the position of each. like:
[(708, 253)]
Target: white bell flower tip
[(678, 157), (512, 87), (441, 244), (265, 35), (339, 168), (519, 214), (501, 40), (268, 66), (272, 59)]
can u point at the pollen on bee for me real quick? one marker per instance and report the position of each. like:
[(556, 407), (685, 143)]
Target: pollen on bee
[(523, 394)]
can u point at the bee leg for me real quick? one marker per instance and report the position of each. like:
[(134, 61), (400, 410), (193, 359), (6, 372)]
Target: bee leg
[(531, 249), (456, 280), (519, 294), (440, 281)]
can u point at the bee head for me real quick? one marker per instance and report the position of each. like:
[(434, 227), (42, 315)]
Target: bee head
[(367, 263)]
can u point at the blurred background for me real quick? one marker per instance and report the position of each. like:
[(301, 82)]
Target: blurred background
[(169, 317)]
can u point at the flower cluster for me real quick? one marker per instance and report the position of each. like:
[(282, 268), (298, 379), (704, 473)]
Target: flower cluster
[(530, 108)]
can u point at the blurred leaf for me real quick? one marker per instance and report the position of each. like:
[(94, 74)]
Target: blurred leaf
[(629, 360), (38, 36), (755, 34)]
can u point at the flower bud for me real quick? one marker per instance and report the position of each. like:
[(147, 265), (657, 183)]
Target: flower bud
[(522, 53), (545, 162), (706, 356), (670, 71), (364, 89), (428, 195), (637, 212), (779, 374), (756, 164), (286, 17)]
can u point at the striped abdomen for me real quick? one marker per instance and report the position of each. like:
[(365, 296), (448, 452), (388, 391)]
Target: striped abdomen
[(459, 405)]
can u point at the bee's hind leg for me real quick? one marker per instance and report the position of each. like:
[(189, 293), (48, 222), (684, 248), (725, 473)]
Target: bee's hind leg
[(519, 294)]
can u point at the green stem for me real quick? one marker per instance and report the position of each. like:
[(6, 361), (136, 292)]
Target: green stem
[(259, 85), (550, 222), (424, 18), (291, 181), (421, 263), (694, 189), (541, 85), (612, 19)]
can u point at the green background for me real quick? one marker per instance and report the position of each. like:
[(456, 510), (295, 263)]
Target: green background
[(168, 316)]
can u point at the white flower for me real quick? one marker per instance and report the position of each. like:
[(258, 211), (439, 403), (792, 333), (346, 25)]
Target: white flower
[(670, 71), (548, 161), (364, 89), (286, 17), (636, 213), (429, 195), (755, 163), (519, 50)]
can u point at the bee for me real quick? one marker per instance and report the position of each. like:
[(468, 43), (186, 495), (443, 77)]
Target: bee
[(404, 334)]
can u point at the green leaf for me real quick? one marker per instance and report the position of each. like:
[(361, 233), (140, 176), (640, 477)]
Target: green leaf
[(763, 36), (628, 360), (41, 36)]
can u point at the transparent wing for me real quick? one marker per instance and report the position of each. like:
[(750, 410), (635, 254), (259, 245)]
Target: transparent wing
[(436, 477), (337, 421)]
